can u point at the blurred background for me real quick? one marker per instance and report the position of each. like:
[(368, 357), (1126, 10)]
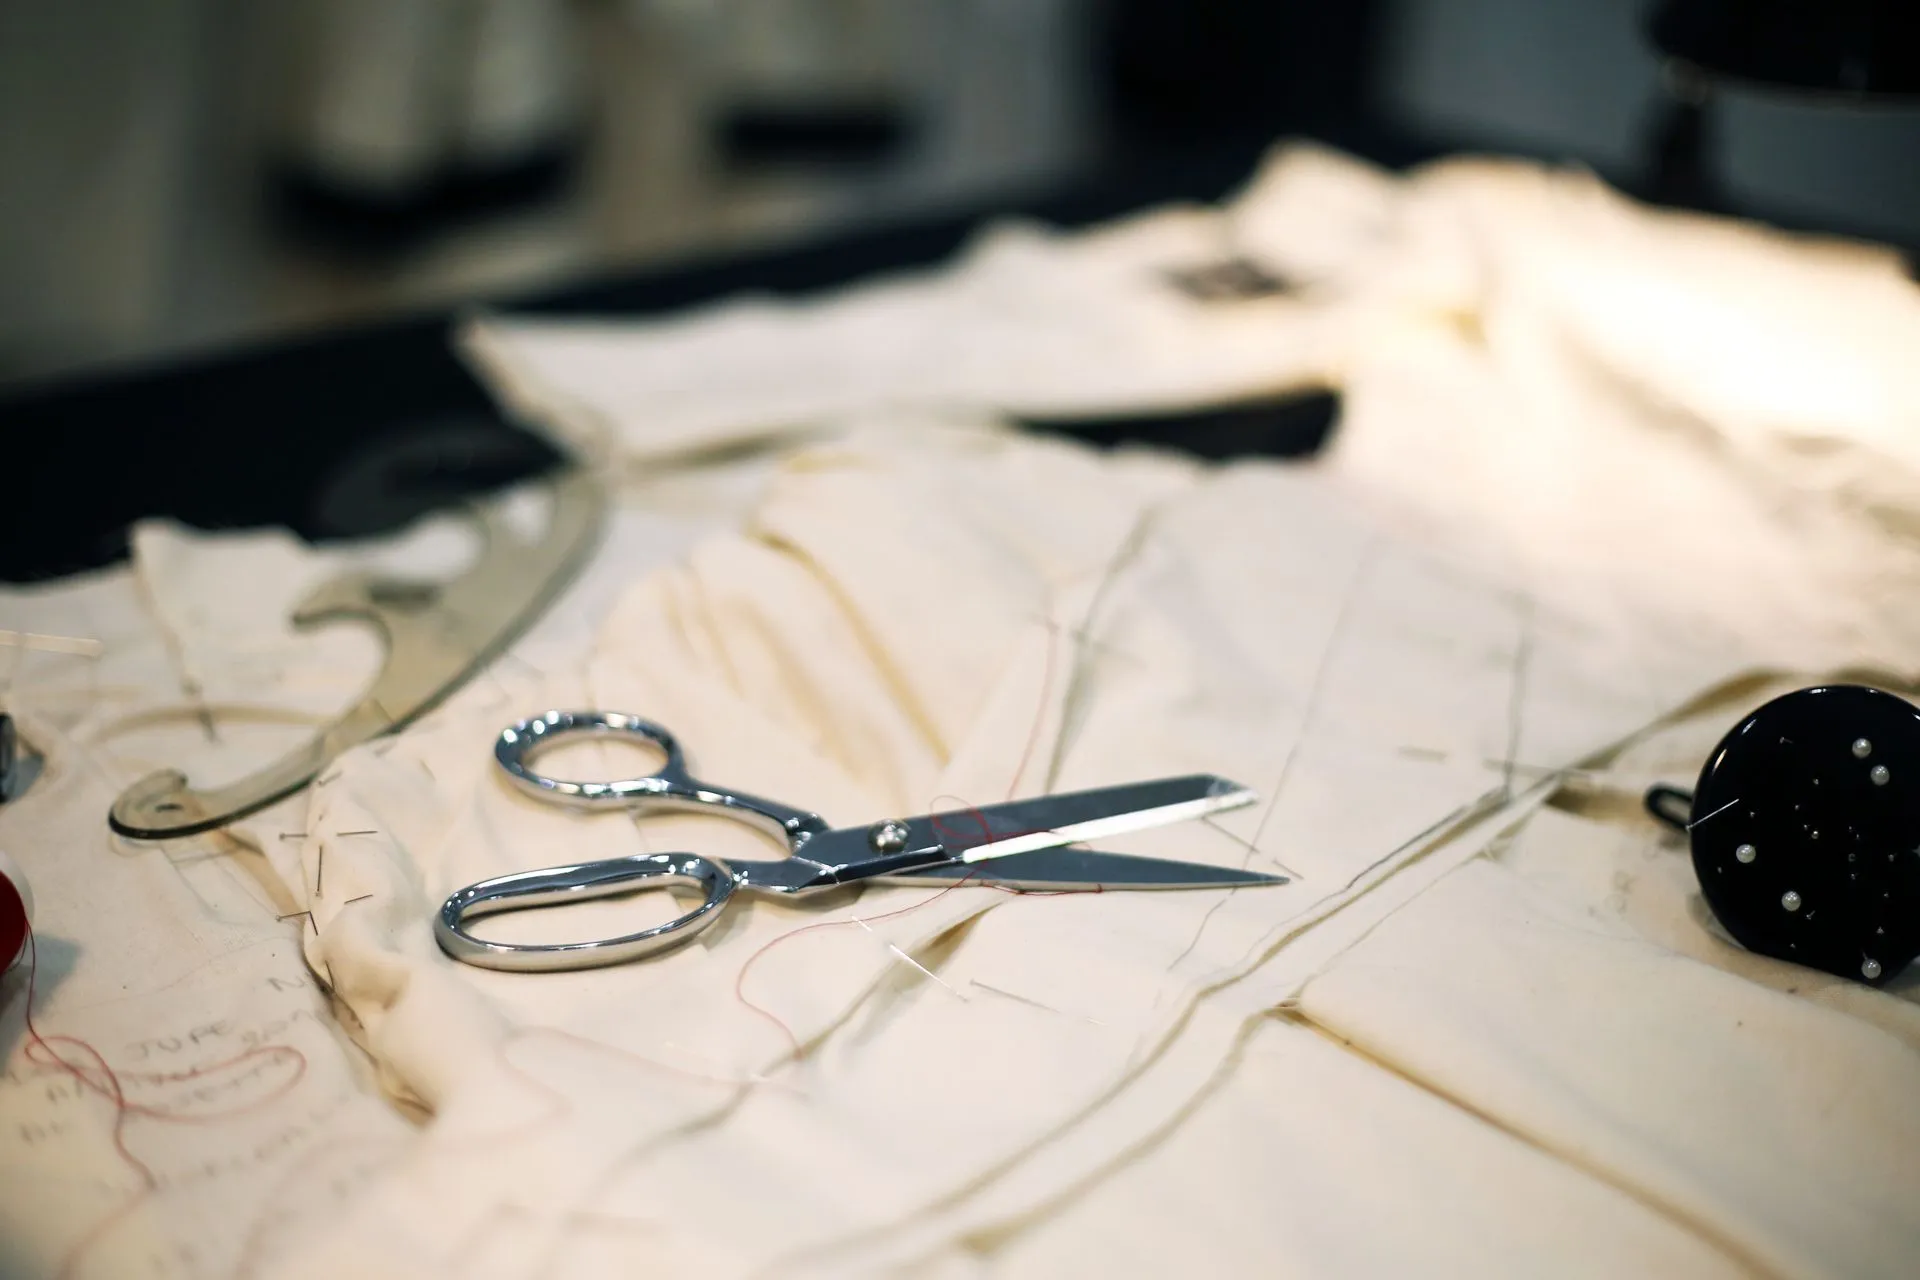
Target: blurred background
[(180, 175)]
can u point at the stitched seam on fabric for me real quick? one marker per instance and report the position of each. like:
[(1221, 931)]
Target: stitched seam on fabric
[(996, 1235), (1568, 1157), (1469, 815), (1308, 715), (1128, 1075), (1460, 821)]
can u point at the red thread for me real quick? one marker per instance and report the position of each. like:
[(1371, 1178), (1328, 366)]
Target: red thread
[(948, 833), (987, 834), (740, 979), (96, 1075)]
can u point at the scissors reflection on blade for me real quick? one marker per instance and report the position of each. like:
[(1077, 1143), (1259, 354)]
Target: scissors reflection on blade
[(1021, 844)]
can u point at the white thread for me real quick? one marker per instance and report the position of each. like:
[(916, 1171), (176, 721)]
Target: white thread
[(710, 1069), (1028, 1000), (84, 646), (1716, 813), (910, 960)]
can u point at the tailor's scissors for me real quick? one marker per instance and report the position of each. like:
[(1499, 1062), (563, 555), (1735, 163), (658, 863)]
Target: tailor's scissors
[(1020, 844)]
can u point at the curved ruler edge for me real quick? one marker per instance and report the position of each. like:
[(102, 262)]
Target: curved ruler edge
[(437, 636)]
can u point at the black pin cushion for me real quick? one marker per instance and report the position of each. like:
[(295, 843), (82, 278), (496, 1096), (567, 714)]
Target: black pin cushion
[(1806, 831)]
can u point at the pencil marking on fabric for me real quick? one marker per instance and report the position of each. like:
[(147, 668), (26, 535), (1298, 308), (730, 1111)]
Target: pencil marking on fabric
[(492, 673), (94, 1074), (1032, 1003), (1516, 698), (1078, 675), (1251, 848), (510, 656), (1082, 637), (1315, 691)]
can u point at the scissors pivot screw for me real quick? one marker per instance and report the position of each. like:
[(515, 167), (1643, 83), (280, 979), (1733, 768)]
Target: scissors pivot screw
[(890, 836)]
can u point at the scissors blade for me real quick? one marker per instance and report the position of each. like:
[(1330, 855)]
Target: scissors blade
[(1069, 869), (1073, 817)]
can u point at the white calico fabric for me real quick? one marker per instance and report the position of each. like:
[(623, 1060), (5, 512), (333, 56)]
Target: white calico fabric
[(1593, 462)]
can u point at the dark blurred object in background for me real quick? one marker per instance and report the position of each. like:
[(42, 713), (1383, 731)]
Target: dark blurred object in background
[(1827, 53), (819, 81), (484, 148), (767, 145), (415, 115), (1862, 49), (1190, 69), (494, 149)]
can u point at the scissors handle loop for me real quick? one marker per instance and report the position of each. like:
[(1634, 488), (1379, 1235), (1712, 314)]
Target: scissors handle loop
[(580, 883), (668, 787)]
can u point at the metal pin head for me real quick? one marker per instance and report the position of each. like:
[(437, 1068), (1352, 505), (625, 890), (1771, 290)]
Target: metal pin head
[(890, 836), (1870, 969)]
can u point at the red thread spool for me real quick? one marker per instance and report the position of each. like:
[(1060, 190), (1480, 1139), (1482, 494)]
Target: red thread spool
[(16, 910)]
